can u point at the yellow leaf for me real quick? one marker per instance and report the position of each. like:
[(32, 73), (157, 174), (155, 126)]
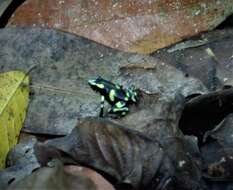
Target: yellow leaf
[(14, 96)]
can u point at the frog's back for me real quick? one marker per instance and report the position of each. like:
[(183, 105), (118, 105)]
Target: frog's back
[(108, 85), (113, 92), (120, 94)]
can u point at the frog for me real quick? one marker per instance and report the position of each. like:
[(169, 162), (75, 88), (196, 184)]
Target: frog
[(115, 94)]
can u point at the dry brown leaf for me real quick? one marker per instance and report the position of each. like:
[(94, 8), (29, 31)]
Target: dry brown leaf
[(133, 26)]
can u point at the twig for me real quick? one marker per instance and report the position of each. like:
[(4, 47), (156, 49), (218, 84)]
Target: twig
[(58, 89), (213, 70)]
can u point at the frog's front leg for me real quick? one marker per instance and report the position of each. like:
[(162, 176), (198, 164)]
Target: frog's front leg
[(102, 106), (119, 109)]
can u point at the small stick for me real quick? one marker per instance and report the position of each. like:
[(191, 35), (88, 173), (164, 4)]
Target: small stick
[(213, 72), (58, 89)]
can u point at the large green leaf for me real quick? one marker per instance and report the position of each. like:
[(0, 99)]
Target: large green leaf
[(14, 95)]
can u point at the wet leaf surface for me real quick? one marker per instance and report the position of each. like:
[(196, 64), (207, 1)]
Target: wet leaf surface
[(65, 62), (54, 177), (218, 155), (3, 5), (224, 132), (134, 26), (145, 149), (21, 162), (129, 157), (196, 63), (156, 115), (113, 150), (204, 112), (100, 182)]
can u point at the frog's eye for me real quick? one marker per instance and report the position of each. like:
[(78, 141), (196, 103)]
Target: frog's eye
[(99, 78), (92, 82)]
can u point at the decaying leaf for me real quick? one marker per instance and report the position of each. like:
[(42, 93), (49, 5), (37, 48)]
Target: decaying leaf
[(100, 182), (224, 131), (134, 26), (123, 154), (21, 161), (155, 115), (202, 113), (14, 94), (3, 6), (65, 62), (127, 156), (54, 177), (195, 62), (217, 152)]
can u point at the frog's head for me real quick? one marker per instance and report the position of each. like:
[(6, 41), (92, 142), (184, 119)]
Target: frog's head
[(132, 94), (97, 84)]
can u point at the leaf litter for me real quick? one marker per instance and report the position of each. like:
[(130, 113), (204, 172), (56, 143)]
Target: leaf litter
[(144, 150)]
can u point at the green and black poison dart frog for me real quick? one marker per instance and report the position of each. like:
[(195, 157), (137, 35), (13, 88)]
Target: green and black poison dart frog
[(117, 96)]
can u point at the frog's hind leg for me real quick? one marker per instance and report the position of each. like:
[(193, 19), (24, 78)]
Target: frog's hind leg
[(102, 106), (119, 109)]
